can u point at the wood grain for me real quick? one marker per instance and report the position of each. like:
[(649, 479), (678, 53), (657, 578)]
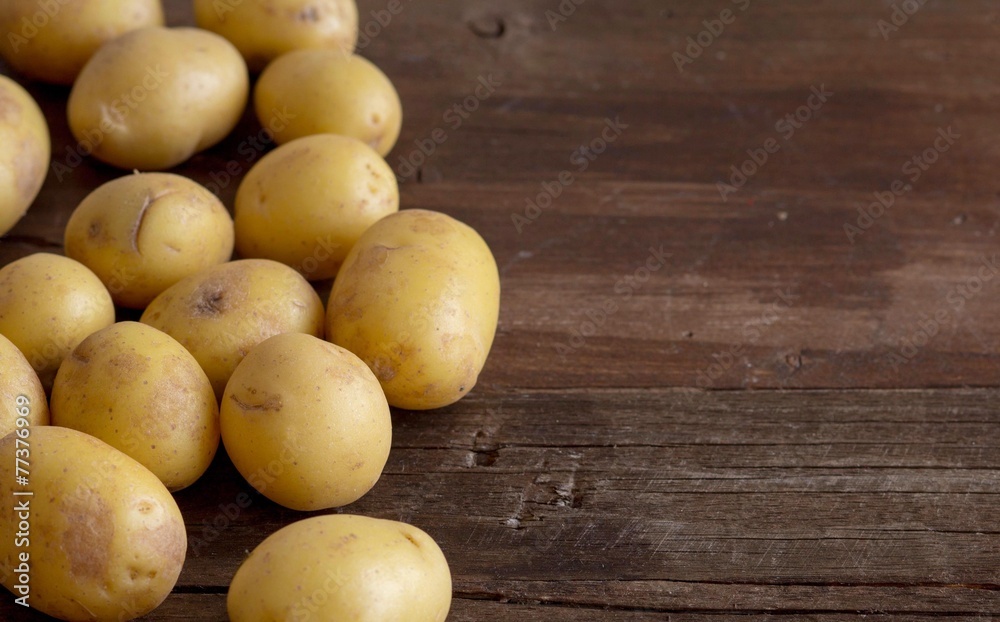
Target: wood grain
[(698, 408)]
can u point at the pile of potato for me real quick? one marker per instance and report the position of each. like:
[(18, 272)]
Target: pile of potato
[(241, 351)]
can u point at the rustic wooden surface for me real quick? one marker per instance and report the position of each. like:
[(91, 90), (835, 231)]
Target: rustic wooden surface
[(744, 432)]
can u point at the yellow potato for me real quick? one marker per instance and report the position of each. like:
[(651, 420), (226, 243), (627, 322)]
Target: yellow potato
[(327, 92), (418, 299), (49, 304), (103, 539), (306, 423), (51, 40), (24, 152), (307, 202), (154, 97), (144, 232), (262, 30), (141, 392), (343, 567), (223, 312), (21, 392)]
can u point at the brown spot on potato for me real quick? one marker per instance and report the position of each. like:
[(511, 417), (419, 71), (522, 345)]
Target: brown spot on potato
[(430, 223), (95, 228), (210, 300), (90, 529)]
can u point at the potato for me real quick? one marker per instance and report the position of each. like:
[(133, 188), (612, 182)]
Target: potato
[(49, 304), (343, 567), (418, 299), (103, 539), (262, 30), (154, 97), (21, 392), (223, 312), (307, 202), (306, 423), (52, 40), (24, 152), (142, 233), (324, 91), (141, 392)]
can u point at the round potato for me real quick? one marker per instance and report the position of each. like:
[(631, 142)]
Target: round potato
[(343, 567), (141, 392), (263, 30), (21, 391), (154, 97), (223, 312), (52, 41), (309, 92), (103, 539), (24, 152), (142, 233), (418, 299), (306, 423), (48, 305), (307, 202)]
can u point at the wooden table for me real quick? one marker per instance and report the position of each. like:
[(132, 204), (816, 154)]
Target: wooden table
[(703, 403)]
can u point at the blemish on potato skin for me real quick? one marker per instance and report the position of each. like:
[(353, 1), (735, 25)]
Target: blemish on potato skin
[(272, 403), (89, 534)]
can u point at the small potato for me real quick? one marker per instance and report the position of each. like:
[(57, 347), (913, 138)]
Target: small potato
[(24, 152), (141, 392), (309, 92), (49, 304), (307, 202), (105, 539), (263, 30), (306, 423), (343, 567), (21, 392), (52, 41), (142, 233), (223, 312), (154, 97), (418, 299)]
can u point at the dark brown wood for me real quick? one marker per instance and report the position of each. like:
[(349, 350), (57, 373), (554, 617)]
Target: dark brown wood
[(741, 431)]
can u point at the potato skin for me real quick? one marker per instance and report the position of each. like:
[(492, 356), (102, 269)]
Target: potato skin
[(418, 299), (343, 567), (306, 423), (24, 152), (141, 392), (324, 91), (107, 540), (142, 233), (19, 380), (263, 30), (306, 203), (49, 304), (220, 314), (154, 97), (56, 51)]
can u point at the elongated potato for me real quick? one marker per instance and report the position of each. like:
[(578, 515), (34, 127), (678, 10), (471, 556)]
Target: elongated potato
[(418, 299), (154, 97), (105, 540), (343, 567)]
